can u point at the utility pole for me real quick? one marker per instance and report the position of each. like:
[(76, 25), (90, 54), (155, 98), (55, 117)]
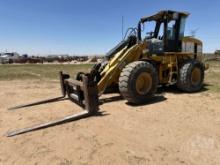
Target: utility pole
[(122, 27), (193, 32)]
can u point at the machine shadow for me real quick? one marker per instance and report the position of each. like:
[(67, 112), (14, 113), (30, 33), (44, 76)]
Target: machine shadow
[(110, 99), (157, 98), (153, 100), (173, 89)]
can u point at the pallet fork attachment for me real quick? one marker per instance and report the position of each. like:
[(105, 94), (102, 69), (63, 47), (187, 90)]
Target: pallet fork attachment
[(84, 93)]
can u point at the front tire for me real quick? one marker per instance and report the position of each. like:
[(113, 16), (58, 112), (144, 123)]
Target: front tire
[(138, 81), (191, 76)]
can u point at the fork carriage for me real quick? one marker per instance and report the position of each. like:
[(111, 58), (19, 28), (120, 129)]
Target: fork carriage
[(84, 93)]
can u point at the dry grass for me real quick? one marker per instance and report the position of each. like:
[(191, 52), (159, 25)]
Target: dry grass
[(39, 71), (48, 71)]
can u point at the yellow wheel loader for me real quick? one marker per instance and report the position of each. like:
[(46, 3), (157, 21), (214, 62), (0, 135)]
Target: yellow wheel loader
[(154, 53)]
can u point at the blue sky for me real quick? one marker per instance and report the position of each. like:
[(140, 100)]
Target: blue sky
[(93, 26)]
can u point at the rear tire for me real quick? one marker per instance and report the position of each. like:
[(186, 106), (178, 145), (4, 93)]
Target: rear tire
[(191, 76), (138, 81)]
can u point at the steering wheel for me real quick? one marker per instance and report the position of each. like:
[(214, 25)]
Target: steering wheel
[(150, 34), (160, 38)]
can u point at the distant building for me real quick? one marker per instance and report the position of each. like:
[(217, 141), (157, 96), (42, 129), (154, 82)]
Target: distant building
[(217, 52)]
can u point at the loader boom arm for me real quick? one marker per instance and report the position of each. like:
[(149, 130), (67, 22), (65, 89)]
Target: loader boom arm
[(113, 69)]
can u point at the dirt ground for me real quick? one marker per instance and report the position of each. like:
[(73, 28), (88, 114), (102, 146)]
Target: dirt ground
[(172, 128)]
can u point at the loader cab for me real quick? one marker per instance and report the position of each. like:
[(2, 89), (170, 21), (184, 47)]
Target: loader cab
[(167, 31)]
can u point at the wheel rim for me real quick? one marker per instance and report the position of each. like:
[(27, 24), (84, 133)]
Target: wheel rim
[(143, 83), (196, 76)]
